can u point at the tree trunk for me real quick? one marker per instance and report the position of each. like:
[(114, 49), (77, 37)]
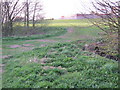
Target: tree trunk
[(25, 19), (8, 29), (27, 15), (1, 22), (33, 21), (11, 28), (34, 15), (119, 30)]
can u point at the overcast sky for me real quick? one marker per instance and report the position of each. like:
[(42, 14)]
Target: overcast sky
[(58, 8)]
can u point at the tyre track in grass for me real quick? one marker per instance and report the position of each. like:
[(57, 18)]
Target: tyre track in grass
[(28, 45)]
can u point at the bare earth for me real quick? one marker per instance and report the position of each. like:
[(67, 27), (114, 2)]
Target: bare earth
[(43, 61), (18, 46)]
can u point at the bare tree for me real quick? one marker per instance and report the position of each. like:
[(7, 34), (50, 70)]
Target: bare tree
[(109, 15), (119, 29), (34, 13), (109, 22), (36, 9), (0, 19), (10, 10), (31, 11), (107, 19), (26, 13)]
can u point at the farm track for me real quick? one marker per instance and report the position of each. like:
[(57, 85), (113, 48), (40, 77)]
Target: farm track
[(26, 47), (69, 31), (71, 35)]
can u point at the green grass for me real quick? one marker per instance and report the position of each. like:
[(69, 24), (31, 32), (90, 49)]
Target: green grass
[(85, 71), (48, 32), (51, 32), (80, 69)]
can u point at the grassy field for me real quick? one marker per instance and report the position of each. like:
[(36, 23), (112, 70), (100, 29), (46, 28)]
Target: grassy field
[(55, 59)]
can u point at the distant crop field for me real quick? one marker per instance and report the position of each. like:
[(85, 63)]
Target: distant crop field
[(66, 23), (81, 22)]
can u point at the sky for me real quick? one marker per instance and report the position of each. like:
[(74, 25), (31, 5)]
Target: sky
[(58, 8)]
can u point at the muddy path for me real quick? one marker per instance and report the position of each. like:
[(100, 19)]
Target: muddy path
[(28, 45), (70, 30)]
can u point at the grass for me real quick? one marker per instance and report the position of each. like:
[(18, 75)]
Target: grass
[(66, 65), (51, 32), (85, 71), (48, 32)]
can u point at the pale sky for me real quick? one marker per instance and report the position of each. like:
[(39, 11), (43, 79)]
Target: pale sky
[(58, 8)]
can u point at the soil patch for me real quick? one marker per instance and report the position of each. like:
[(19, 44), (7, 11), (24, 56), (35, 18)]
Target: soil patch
[(41, 61), (7, 56), (44, 60), (34, 60), (26, 48), (18, 46), (97, 48), (27, 45), (46, 40), (51, 67), (1, 69), (15, 46), (43, 45), (2, 65)]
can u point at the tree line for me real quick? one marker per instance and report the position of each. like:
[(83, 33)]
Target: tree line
[(15, 10)]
